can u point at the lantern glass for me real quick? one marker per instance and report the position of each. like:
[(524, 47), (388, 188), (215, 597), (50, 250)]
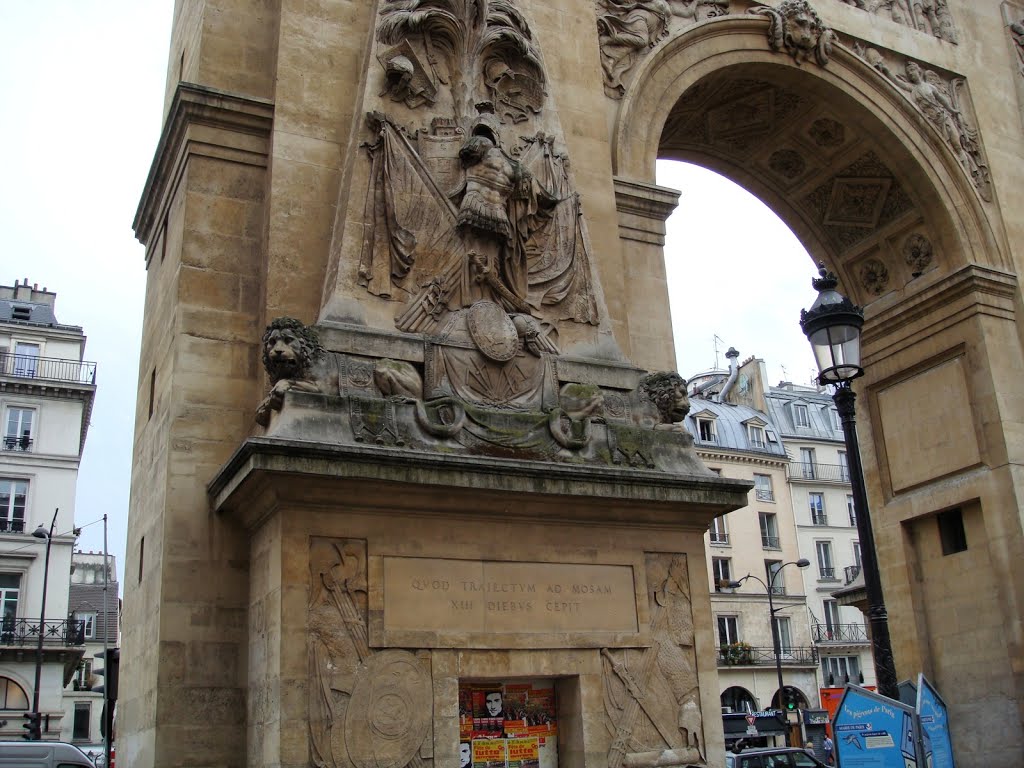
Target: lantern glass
[(837, 352)]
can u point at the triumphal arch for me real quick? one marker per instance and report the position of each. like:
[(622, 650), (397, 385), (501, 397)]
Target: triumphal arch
[(409, 483)]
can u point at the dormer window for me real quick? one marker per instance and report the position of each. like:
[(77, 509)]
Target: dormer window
[(706, 429), (756, 435), (21, 313), (800, 417)]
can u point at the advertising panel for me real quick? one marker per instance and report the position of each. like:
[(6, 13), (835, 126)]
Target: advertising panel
[(938, 747), (873, 731)]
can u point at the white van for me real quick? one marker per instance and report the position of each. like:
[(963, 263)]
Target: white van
[(42, 754)]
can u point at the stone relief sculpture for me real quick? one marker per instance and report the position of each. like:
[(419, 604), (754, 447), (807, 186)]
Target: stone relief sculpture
[(941, 103), (650, 695), (291, 351), (929, 16), (629, 29), (917, 253), (471, 44), (666, 390), (1017, 35), (510, 233), (874, 276), (367, 709), (797, 29)]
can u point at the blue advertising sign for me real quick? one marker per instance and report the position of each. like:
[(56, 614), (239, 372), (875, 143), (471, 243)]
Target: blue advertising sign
[(873, 731), (938, 747)]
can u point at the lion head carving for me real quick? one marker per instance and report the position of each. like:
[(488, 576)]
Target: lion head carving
[(796, 27), (667, 390), (290, 349)]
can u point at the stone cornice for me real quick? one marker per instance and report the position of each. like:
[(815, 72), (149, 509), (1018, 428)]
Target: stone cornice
[(236, 118), (954, 298), (248, 485)]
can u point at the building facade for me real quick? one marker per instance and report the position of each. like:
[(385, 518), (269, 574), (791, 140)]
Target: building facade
[(46, 396), (756, 546), (93, 601)]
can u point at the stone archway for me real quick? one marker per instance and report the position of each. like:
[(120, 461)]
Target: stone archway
[(873, 188)]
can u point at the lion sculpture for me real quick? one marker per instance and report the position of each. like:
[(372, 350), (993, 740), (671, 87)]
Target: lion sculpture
[(666, 390), (290, 353)]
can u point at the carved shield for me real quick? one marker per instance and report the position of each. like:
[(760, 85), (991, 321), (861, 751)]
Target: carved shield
[(390, 711)]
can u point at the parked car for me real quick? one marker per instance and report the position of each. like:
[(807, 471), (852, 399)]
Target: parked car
[(42, 754), (772, 757)]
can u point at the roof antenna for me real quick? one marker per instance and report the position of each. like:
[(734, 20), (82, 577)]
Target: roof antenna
[(785, 376), (714, 341)]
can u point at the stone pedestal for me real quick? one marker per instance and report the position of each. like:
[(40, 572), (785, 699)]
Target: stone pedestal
[(384, 573)]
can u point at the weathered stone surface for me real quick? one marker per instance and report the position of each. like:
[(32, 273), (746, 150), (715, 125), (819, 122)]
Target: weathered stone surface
[(895, 157)]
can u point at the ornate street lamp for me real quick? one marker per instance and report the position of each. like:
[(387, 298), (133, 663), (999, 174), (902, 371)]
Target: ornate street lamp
[(42, 533), (803, 562), (833, 325)]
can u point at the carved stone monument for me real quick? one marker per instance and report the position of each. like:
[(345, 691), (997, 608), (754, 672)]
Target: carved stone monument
[(458, 481)]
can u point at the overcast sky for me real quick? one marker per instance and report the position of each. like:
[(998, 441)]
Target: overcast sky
[(82, 86)]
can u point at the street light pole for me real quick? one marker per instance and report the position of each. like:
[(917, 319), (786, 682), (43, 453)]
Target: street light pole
[(878, 617), (772, 610), (41, 533), (833, 325)]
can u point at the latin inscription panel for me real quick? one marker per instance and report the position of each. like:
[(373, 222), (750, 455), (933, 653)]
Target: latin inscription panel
[(434, 594)]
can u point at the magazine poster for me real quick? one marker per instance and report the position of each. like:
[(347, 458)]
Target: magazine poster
[(465, 754), (485, 724), (516, 708), (540, 717), (489, 753), (524, 752), (465, 713)]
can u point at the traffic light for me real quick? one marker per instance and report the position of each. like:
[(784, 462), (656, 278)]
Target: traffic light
[(32, 726), (789, 698), (112, 659), (111, 672)]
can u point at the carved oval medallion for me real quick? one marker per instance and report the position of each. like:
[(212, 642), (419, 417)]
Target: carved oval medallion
[(493, 331), (389, 714)]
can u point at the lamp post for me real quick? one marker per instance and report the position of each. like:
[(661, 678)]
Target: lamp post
[(769, 586), (833, 325), (42, 533)]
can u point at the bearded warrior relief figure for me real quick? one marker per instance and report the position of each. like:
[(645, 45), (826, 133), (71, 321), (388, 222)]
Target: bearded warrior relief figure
[(651, 695)]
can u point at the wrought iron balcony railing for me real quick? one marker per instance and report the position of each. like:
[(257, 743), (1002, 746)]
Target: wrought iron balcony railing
[(839, 633), (740, 654), (812, 470), (65, 633), (16, 443), (48, 368), (12, 525), (850, 573), (819, 518), (764, 494), (719, 538), (769, 542), (826, 573)]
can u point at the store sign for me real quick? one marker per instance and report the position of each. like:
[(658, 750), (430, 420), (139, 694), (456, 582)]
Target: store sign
[(434, 594)]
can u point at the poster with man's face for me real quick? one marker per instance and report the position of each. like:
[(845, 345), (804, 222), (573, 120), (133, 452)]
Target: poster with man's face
[(465, 754), (492, 700)]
